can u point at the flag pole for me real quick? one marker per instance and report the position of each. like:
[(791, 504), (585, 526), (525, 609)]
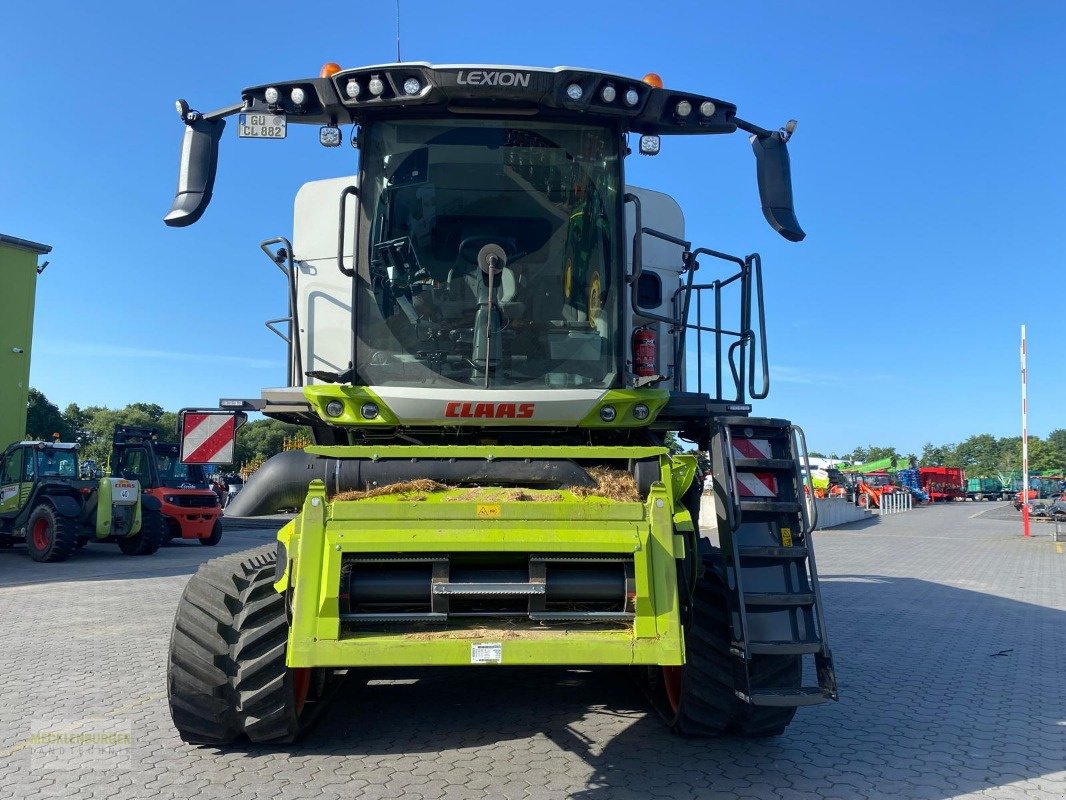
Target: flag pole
[(1025, 444)]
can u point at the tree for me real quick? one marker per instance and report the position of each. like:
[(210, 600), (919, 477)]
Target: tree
[(978, 455), (43, 418), (937, 455), (262, 438)]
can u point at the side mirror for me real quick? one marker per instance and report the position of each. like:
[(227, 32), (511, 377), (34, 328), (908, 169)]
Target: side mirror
[(774, 173), (196, 171)]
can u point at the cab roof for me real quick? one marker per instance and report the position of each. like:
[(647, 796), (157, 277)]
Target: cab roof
[(386, 90)]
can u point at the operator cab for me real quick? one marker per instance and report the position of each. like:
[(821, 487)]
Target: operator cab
[(488, 263)]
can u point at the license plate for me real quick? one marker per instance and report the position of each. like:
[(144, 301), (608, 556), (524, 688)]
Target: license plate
[(261, 126)]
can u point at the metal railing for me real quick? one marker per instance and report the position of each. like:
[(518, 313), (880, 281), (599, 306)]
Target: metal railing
[(282, 259), (894, 503), (742, 348)]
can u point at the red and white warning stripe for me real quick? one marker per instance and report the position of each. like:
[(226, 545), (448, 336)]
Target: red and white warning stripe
[(207, 438), (752, 448), (756, 484)]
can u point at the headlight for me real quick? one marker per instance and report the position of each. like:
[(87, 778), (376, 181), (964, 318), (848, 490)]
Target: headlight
[(297, 96), (632, 98), (608, 93), (376, 86), (271, 95), (334, 408), (574, 91), (641, 411), (684, 108), (707, 108), (329, 136), (412, 86), (607, 413), (369, 410), (352, 89), (170, 498)]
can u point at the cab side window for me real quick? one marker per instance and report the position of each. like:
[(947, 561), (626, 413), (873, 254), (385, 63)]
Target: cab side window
[(12, 470), (136, 461), (29, 458)]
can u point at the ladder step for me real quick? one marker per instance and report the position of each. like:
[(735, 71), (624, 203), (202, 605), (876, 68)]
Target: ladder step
[(788, 698), (779, 599), (785, 648), (768, 464), (773, 552), (770, 506)]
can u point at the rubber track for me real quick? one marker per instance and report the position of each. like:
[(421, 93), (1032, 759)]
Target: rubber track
[(224, 613), (709, 706)]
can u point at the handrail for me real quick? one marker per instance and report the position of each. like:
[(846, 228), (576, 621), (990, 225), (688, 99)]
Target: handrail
[(283, 259), (759, 336), (348, 190)]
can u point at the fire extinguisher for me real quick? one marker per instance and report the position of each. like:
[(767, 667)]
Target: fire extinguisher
[(645, 353)]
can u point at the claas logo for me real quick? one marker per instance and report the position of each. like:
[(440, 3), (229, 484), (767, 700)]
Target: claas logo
[(489, 410)]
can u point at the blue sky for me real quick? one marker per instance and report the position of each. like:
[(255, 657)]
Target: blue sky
[(928, 170)]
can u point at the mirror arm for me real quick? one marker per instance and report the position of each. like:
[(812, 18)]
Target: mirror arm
[(754, 130), (222, 113)]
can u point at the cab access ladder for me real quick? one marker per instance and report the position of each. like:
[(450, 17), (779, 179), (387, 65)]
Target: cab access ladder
[(765, 526)]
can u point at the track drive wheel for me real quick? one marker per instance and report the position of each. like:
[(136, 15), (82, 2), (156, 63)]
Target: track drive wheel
[(216, 535), (148, 539), (697, 699), (50, 537), (227, 675)]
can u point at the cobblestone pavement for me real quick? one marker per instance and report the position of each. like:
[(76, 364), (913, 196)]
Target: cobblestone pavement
[(949, 634)]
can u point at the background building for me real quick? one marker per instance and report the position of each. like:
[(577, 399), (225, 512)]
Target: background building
[(18, 286)]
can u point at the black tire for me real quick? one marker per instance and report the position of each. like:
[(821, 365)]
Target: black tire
[(50, 537), (216, 534), (227, 675), (704, 703), (148, 539)]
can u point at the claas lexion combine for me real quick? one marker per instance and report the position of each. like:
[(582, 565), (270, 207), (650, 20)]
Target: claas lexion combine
[(491, 337)]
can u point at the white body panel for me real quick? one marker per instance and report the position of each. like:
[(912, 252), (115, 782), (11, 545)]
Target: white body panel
[(324, 293), (662, 213), (124, 492)]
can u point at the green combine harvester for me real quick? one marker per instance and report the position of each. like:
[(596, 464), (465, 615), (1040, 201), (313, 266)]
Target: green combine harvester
[(490, 337)]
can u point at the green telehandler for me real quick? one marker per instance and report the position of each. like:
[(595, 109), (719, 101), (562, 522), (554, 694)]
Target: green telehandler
[(45, 503)]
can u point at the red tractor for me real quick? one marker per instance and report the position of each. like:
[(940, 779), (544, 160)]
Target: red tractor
[(190, 507)]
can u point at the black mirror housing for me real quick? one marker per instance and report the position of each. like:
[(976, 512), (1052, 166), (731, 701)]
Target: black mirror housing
[(774, 173), (196, 172)]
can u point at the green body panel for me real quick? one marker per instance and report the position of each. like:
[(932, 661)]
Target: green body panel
[(352, 397), (465, 520), (104, 510), (623, 401), (484, 451), (18, 273)]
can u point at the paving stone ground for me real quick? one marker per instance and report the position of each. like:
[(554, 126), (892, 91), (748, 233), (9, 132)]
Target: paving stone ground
[(949, 634)]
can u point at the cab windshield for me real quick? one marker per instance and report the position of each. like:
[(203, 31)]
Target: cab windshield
[(172, 472), (57, 463), (493, 255)]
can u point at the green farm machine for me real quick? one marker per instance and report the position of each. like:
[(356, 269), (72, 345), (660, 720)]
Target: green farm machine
[(491, 338), (45, 503)]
